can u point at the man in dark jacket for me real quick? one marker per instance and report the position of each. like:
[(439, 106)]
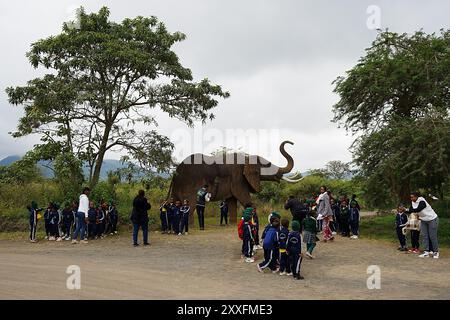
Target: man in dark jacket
[(298, 209), (139, 217)]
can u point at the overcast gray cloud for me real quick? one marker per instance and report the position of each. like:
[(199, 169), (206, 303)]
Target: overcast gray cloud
[(277, 58)]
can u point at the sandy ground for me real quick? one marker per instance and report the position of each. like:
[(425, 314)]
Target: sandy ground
[(207, 265)]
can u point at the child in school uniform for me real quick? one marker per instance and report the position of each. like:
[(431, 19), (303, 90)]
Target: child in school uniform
[(255, 222), (354, 219), (176, 218), (223, 212), (184, 218), (345, 216), (163, 215), (34, 214), (47, 225), (271, 244), (54, 223), (92, 220), (309, 234), (294, 250), (113, 218), (283, 257), (400, 221), (67, 220), (247, 240), (170, 215)]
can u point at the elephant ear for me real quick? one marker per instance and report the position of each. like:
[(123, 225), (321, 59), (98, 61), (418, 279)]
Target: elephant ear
[(253, 175)]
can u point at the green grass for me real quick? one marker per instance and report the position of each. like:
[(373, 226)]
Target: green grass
[(383, 228)]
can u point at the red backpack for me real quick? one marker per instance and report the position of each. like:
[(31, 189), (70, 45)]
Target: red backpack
[(241, 229)]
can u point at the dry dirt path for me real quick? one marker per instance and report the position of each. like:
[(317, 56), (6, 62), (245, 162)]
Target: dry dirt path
[(208, 266)]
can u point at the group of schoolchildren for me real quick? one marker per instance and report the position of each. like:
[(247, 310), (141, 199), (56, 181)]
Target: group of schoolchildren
[(174, 217), (346, 217), (282, 247), (59, 224)]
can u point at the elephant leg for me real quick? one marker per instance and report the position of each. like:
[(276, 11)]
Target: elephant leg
[(232, 210)]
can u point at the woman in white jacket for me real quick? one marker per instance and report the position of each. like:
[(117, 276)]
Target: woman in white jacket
[(429, 222)]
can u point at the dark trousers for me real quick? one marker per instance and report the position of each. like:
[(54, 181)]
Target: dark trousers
[(144, 227), (247, 247), (355, 227), (54, 230), (164, 221), (201, 216), (284, 262), (169, 222), (345, 228), (184, 223), (223, 217), (176, 224), (257, 235), (295, 260), (80, 228), (100, 229), (113, 222), (92, 229), (401, 237), (270, 259), (33, 225), (48, 228), (67, 228), (415, 235)]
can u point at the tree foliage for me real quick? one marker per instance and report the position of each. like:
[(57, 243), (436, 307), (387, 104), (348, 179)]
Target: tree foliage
[(104, 81), (398, 99)]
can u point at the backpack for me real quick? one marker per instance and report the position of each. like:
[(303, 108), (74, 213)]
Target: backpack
[(241, 229)]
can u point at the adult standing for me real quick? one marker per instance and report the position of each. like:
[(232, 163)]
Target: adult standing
[(298, 209), (429, 223), (202, 198), (139, 217), (81, 217), (325, 213)]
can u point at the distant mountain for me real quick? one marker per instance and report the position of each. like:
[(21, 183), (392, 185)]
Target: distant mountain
[(108, 165), (8, 160)]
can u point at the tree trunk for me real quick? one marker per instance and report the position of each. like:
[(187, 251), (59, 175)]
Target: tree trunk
[(100, 157)]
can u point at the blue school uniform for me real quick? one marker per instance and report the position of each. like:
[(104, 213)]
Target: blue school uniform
[(247, 241), (184, 218), (283, 256), (294, 249), (270, 246)]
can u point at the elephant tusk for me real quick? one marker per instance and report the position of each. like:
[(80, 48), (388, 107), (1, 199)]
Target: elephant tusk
[(295, 174), (291, 180)]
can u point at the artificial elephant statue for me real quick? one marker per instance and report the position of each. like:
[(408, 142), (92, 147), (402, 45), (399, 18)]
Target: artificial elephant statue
[(231, 177)]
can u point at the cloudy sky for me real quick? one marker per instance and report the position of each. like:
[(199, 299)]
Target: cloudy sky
[(276, 58)]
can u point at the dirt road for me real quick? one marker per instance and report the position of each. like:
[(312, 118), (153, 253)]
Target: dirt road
[(208, 266)]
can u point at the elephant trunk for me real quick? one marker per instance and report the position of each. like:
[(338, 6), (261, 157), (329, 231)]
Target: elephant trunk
[(290, 164)]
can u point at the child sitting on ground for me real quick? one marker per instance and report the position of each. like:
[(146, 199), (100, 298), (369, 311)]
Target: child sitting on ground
[(284, 259), (270, 244), (309, 234), (247, 237), (294, 250), (400, 222)]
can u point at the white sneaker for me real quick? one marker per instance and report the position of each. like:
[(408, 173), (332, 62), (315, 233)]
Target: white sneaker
[(67, 239), (275, 271), (289, 274), (59, 239), (186, 233), (252, 259), (436, 255), (333, 233), (52, 239), (282, 273), (259, 268), (74, 241), (425, 254), (248, 260), (180, 234)]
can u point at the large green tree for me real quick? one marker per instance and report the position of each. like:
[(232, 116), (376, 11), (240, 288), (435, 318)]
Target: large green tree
[(103, 79), (397, 100)]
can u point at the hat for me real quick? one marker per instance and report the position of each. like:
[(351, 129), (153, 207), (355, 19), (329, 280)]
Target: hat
[(275, 214), (295, 225), (34, 204), (247, 214)]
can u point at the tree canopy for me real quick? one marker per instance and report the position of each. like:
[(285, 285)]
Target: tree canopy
[(104, 79), (397, 98)]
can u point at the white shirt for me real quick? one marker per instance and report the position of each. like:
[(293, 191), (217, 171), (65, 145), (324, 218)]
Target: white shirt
[(426, 214), (84, 205)]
